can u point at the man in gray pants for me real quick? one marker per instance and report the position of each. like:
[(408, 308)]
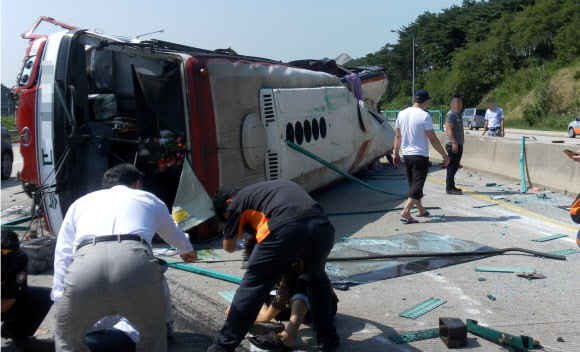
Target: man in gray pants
[(104, 266)]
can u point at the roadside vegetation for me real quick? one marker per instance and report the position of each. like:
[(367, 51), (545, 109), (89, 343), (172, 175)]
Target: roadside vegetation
[(523, 53)]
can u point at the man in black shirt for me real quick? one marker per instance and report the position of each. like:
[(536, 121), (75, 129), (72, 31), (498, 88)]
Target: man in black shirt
[(23, 308), (288, 224)]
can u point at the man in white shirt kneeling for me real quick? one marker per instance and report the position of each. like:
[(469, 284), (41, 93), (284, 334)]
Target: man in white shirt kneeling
[(104, 265)]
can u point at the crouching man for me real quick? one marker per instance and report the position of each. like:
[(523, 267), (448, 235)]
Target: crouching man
[(104, 265), (288, 225)]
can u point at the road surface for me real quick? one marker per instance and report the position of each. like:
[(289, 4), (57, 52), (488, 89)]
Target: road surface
[(545, 309)]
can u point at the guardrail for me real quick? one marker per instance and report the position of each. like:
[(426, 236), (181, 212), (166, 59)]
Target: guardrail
[(436, 115), (13, 133)]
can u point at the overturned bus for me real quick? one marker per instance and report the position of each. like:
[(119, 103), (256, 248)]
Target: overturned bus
[(192, 120)]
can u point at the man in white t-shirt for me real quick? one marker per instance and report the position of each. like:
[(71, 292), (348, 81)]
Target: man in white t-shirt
[(493, 120), (414, 129)]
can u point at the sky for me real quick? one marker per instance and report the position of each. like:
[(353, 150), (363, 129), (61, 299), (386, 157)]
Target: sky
[(278, 30)]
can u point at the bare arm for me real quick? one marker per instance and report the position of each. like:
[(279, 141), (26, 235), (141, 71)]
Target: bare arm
[(449, 129), (396, 156), (437, 145), (7, 304), (502, 132), (265, 317), (230, 245), (485, 128)]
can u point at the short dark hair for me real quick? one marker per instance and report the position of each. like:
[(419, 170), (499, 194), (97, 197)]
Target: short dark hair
[(122, 174), (456, 96), (220, 198), (10, 242)]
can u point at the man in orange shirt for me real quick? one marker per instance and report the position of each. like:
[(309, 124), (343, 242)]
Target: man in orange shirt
[(288, 224)]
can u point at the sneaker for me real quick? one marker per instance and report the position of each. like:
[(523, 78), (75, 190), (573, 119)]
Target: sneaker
[(455, 191), (217, 348)]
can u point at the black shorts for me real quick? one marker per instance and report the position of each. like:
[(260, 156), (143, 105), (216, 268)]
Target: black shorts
[(417, 167)]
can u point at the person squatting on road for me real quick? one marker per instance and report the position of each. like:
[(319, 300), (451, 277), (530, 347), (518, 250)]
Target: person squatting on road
[(290, 303), (104, 265), (23, 307), (454, 145), (288, 224), (413, 132)]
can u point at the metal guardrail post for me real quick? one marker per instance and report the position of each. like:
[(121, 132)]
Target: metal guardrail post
[(391, 117)]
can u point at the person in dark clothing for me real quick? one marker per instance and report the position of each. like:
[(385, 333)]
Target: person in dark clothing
[(454, 146), (23, 307), (288, 224)]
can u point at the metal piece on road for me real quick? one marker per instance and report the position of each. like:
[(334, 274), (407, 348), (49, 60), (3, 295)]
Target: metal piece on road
[(422, 308), (564, 252), (549, 238), (227, 295), (485, 205), (206, 272), (505, 270), (490, 297), (453, 332), (531, 276), (524, 342), (414, 336), (522, 162), (450, 254)]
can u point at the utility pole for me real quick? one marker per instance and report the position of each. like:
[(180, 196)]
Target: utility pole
[(413, 92)]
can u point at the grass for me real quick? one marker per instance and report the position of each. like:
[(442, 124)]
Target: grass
[(8, 122)]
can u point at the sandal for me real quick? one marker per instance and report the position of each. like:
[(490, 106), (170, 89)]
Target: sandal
[(427, 213), (409, 221), (271, 342)]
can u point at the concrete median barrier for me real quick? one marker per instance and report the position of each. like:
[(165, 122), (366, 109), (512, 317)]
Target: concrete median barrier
[(546, 164)]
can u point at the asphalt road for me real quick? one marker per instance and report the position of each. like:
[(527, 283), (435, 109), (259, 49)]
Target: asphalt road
[(545, 309)]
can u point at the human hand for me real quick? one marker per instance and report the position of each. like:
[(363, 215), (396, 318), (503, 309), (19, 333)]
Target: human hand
[(502, 133), (189, 257), (446, 160), (455, 148), (396, 159), (575, 157), (483, 134)]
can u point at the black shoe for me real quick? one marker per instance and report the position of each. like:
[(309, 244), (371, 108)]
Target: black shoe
[(169, 327), (217, 348), (266, 328), (327, 344), (455, 191)]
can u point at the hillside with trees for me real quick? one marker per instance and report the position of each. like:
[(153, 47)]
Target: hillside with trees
[(524, 53)]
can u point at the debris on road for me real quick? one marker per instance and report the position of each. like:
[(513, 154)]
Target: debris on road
[(422, 308), (505, 270), (502, 338), (549, 238), (414, 336)]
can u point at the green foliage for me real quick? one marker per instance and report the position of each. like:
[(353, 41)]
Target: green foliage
[(8, 122), (482, 47)]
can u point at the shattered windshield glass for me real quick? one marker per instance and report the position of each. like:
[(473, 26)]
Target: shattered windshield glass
[(349, 273)]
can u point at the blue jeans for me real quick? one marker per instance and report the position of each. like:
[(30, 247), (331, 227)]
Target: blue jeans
[(310, 239)]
